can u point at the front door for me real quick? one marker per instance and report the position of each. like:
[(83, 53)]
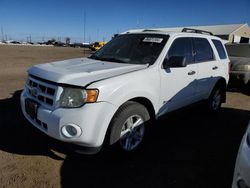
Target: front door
[(178, 85)]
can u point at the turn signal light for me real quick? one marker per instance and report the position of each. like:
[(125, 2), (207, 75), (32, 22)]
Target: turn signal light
[(92, 95)]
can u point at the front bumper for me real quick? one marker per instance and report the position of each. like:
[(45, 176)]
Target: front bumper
[(242, 167), (93, 120)]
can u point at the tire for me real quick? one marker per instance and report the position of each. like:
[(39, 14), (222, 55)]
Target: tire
[(215, 100), (127, 127), (247, 87)]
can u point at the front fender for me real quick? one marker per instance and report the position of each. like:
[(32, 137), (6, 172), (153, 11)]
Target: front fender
[(123, 88)]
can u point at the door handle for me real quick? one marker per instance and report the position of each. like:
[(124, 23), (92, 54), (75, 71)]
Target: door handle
[(215, 67), (191, 73)]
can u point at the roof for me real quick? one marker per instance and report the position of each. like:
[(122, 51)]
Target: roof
[(215, 29)]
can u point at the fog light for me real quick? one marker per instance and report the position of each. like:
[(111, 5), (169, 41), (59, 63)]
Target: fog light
[(71, 130), (242, 184)]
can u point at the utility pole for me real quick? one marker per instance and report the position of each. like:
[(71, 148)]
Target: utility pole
[(97, 34), (43, 38), (137, 23), (84, 31), (89, 39), (2, 33), (84, 26)]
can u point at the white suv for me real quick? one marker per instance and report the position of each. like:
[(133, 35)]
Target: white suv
[(112, 96)]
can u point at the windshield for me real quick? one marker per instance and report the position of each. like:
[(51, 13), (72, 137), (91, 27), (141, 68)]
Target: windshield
[(132, 49)]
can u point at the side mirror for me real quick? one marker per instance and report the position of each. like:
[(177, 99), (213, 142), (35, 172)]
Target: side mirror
[(175, 62)]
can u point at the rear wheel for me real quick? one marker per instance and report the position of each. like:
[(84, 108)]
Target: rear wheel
[(127, 128), (215, 99)]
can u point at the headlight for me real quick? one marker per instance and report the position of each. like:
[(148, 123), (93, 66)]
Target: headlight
[(76, 97), (242, 68)]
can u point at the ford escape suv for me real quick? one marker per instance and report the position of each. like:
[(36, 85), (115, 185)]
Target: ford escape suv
[(111, 96)]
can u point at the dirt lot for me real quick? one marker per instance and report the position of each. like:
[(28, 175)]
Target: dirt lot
[(186, 149)]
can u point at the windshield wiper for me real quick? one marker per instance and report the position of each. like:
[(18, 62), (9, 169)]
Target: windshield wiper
[(94, 57), (112, 59)]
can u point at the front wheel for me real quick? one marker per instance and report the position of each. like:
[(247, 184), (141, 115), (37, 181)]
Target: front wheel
[(127, 128)]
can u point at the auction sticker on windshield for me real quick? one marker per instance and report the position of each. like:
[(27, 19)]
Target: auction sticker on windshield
[(155, 40)]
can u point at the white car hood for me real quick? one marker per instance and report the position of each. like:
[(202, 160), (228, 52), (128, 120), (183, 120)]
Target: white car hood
[(81, 71)]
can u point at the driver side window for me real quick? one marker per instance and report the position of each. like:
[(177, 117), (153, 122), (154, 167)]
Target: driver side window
[(182, 47)]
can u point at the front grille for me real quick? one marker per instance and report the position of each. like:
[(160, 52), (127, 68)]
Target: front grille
[(41, 91), (41, 124)]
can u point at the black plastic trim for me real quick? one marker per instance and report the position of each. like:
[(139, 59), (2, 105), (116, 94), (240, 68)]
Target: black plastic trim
[(82, 149), (190, 30)]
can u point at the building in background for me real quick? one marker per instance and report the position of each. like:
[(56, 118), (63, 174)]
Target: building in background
[(234, 33)]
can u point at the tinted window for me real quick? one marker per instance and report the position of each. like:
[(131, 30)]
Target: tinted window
[(220, 49), (204, 51), (182, 47)]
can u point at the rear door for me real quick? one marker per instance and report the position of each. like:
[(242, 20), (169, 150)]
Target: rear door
[(207, 66), (222, 57), (178, 85)]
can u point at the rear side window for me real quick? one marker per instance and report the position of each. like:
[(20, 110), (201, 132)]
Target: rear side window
[(220, 49), (204, 51), (182, 47)]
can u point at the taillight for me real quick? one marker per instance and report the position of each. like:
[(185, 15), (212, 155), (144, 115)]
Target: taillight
[(229, 67)]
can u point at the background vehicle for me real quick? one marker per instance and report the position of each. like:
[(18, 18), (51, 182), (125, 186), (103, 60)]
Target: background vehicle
[(97, 46), (80, 45), (239, 55), (112, 96), (242, 167)]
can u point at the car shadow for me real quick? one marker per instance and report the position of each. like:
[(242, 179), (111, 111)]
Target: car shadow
[(18, 136), (244, 89), (189, 148)]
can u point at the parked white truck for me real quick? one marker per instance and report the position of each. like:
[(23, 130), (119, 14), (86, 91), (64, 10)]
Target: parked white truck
[(111, 96)]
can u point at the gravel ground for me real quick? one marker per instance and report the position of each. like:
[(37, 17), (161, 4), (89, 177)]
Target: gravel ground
[(186, 149)]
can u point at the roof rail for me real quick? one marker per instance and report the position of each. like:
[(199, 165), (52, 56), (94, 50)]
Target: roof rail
[(149, 30), (190, 30)]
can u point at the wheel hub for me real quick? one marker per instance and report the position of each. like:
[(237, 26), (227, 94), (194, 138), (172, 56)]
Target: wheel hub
[(132, 132)]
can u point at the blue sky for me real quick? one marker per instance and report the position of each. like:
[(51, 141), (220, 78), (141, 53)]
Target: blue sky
[(62, 18)]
